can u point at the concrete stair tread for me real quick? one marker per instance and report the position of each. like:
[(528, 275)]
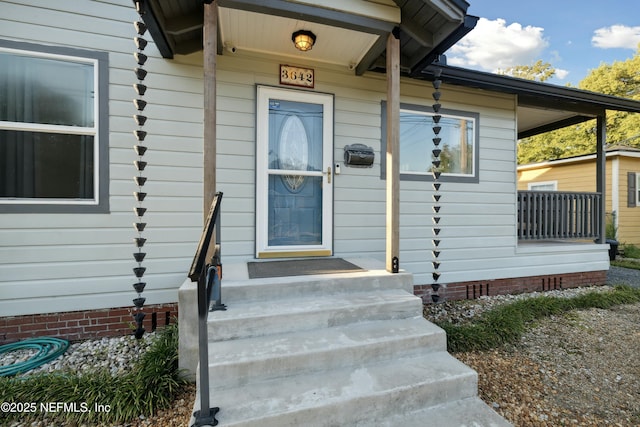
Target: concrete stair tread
[(245, 320), (470, 412), (350, 393), (286, 287), (287, 353), (328, 339), (286, 306)]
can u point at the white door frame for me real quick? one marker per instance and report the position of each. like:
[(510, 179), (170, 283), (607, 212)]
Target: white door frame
[(263, 250)]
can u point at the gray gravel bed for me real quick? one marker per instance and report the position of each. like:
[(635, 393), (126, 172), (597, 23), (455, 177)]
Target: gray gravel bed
[(118, 355), (623, 276), (461, 311), (458, 311)]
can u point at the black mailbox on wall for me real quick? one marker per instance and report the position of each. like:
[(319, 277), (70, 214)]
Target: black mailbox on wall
[(358, 155)]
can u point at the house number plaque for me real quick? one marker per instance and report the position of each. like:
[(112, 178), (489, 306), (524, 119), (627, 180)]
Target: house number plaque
[(296, 76)]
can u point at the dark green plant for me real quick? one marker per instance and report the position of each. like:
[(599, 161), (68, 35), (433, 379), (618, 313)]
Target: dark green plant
[(506, 324), (611, 227), (626, 264), (631, 251), (151, 385)]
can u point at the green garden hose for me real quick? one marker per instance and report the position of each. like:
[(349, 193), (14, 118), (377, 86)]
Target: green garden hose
[(47, 350)]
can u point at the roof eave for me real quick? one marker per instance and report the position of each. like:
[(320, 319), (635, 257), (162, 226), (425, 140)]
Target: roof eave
[(554, 126), (535, 93), (468, 23), (150, 19)]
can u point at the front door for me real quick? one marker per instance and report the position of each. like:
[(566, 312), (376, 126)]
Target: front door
[(294, 173)]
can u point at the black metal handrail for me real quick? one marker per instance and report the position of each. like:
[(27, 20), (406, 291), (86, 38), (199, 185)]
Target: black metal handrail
[(199, 260), (208, 276), (559, 215)]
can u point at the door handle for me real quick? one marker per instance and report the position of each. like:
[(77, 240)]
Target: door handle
[(328, 174)]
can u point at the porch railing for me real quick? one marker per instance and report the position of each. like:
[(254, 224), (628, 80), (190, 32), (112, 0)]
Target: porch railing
[(208, 275), (559, 215)]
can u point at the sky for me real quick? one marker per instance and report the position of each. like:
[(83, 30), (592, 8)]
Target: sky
[(574, 36)]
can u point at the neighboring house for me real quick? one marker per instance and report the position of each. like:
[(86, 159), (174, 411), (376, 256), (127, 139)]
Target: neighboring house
[(66, 208), (577, 174)]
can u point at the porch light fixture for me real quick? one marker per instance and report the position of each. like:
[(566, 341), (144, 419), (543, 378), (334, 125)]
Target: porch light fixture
[(303, 40)]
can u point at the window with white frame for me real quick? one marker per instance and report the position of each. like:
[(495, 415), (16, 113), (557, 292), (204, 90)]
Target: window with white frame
[(53, 127), (543, 186), (459, 144)]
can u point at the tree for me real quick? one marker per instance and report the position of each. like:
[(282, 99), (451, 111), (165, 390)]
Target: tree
[(539, 71), (622, 79), (566, 142)]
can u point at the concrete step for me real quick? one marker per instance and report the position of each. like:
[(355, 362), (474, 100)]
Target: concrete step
[(233, 362), (248, 319), (348, 349), (364, 394), (278, 288), (470, 412)]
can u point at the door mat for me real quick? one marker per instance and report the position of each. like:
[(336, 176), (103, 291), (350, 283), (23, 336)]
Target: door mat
[(302, 267)]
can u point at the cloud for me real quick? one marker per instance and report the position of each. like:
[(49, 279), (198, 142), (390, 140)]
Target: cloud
[(555, 55), (494, 45), (616, 36), (561, 74)]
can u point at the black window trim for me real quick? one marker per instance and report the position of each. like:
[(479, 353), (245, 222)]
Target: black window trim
[(59, 206), (475, 178)]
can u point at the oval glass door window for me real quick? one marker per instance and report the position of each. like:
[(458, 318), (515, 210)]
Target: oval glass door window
[(293, 152)]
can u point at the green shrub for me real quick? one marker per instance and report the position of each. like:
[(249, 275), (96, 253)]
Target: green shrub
[(631, 251), (635, 265), (506, 323), (149, 386), (611, 229)]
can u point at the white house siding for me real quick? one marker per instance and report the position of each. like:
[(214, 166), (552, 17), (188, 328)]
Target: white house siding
[(478, 219), (63, 262), (358, 193)]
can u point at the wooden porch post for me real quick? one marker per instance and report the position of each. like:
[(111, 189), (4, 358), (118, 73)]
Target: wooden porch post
[(393, 154), (207, 415), (601, 170), (210, 45)]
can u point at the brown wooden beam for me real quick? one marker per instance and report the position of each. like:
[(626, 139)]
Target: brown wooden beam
[(393, 154), (210, 44)]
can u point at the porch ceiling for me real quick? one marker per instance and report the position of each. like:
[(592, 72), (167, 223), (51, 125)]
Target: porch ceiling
[(350, 33), (534, 120), (254, 32)]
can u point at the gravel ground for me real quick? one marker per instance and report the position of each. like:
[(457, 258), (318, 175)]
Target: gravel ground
[(579, 369), (623, 276), (117, 354)]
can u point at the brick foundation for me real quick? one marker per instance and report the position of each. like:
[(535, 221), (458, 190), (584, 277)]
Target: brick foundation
[(517, 285), (80, 325)]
